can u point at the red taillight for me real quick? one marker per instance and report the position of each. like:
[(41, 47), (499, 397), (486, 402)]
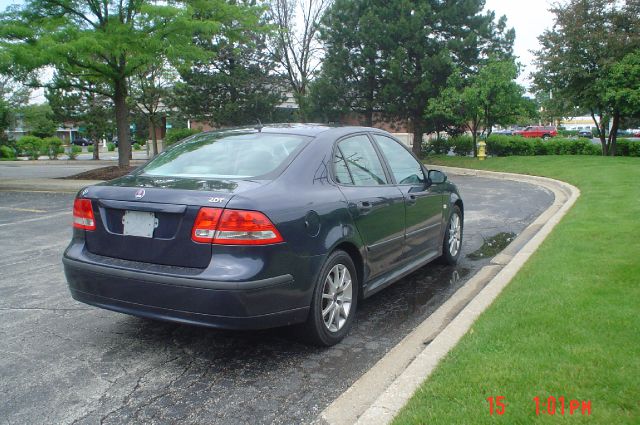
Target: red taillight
[(204, 228), (234, 227), (83, 215)]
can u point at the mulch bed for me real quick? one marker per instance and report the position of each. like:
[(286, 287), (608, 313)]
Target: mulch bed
[(104, 173)]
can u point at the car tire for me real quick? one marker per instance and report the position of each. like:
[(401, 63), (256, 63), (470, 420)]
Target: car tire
[(452, 241), (546, 137), (334, 301)]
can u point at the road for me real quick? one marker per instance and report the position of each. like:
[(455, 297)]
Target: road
[(65, 362)]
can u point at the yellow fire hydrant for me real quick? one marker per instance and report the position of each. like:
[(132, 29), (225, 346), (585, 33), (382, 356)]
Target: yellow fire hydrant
[(482, 154)]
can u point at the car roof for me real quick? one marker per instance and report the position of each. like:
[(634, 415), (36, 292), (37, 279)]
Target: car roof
[(306, 129)]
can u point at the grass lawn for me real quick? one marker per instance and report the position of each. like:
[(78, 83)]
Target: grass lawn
[(567, 325)]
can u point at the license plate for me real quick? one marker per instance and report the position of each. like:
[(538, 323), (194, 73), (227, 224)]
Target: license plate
[(139, 223)]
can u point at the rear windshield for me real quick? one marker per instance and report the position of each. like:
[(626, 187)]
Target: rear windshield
[(226, 155)]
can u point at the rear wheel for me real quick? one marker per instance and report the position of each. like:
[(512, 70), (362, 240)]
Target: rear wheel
[(452, 243), (334, 301)]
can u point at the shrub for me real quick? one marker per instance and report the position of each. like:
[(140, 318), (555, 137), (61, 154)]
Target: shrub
[(176, 134), (438, 146), (52, 146), (74, 151), (111, 147), (7, 152), (462, 145), (31, 146), (90, 148), (136, 147)]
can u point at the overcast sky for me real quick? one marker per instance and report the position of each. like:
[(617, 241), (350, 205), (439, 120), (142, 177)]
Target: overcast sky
[(529, 18)]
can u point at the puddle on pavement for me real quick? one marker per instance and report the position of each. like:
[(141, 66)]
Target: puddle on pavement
[(492, 245)]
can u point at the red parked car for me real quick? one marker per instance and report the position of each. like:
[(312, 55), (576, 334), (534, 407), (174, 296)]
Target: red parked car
[(541, 131)]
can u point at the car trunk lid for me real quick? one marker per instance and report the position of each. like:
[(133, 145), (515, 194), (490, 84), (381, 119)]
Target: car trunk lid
[(150, 219)]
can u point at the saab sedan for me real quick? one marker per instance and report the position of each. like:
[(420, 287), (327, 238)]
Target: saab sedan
[(261, 227)]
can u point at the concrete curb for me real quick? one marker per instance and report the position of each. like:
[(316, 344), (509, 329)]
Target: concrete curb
[(45, 185), (377, 397)]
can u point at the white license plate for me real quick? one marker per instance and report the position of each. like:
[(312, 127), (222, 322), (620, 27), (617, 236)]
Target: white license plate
[(139, 223)]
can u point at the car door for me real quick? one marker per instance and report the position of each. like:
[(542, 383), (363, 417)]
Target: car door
[(375, 204), (423, 204)]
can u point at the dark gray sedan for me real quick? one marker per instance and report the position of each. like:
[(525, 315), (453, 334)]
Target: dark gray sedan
[(262, 227)]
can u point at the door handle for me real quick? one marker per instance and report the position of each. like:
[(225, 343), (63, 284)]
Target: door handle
[(411, 200), (364, 206)]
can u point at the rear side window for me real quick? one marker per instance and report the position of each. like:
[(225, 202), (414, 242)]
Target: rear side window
[(362, 162), (404, 167), (226, 155)]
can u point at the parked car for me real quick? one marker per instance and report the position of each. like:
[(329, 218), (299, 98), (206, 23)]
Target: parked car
[(585, 133), (503, 132), (544, 132), (256, 228), (81, 141)]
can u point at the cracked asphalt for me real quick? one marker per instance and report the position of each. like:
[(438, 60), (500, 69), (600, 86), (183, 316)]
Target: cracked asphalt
[(62, 362)]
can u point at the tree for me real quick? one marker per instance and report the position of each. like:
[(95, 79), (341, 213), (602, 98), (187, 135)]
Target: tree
[(578, 54), (87, 109), (150, 92), (490, 97), (39, 120), (236, 86), (14, 94), (400, 54), (92, 44), (352, 74), (295, 45), (621, 85)]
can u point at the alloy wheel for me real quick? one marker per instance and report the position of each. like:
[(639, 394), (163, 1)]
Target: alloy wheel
[(455, 233), (337, 294)]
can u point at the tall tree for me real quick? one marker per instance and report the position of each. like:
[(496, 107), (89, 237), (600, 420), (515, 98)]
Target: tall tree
[(91, 111), (430, 40), (151, 89), (587, 39), (236, 86), (295, 46), (91, 43), (352, 73)]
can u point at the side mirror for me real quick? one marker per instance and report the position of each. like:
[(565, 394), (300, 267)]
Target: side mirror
[(437, 177)]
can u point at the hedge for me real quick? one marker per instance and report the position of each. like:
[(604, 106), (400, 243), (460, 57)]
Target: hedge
[(176, 134), (520, 146)]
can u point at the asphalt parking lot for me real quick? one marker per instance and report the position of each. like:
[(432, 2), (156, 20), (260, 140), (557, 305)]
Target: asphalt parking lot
[(65, 362)]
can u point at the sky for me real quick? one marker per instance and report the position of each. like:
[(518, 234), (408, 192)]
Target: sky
[(529, 18)]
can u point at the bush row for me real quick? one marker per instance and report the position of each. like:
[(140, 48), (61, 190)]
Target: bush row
[(498, 145), (516, 145), (33, 147)]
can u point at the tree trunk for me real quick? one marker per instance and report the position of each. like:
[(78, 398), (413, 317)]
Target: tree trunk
[(122, 122), (418, 132), (613, 133), (154, 137), (601, 132), (96, 146)]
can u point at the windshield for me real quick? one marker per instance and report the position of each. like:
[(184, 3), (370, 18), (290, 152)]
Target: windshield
[(225, 155)]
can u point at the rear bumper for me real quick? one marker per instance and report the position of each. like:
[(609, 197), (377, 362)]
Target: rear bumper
[(186, 299)]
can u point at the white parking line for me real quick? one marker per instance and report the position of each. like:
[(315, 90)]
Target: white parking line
[(37, 218)]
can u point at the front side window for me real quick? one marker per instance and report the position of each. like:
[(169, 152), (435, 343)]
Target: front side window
[(404, 167), (225, 155), (362, 162)]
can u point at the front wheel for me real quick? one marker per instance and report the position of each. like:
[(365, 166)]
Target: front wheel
[(452, 243), (334, 301)]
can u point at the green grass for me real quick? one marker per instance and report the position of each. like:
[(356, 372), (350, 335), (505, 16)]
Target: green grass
[(569, 322)]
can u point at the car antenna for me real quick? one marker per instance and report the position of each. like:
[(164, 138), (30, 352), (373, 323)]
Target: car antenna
[(259, 126)]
